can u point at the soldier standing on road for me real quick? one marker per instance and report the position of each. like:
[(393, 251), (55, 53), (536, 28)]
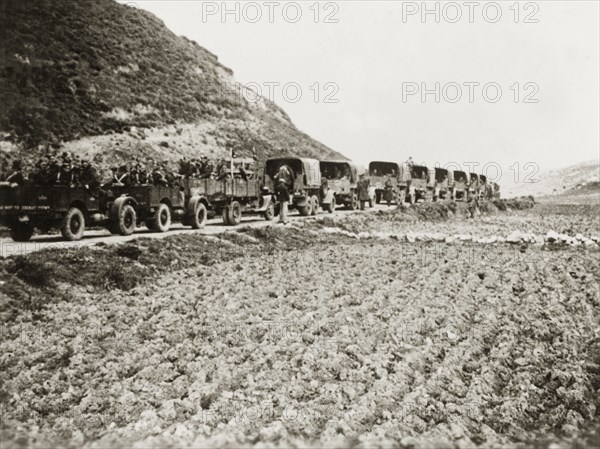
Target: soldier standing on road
[(362, 190), (388, 195), (283, 196)]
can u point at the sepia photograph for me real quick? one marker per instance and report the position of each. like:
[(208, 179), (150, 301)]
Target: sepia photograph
[(349, 224)]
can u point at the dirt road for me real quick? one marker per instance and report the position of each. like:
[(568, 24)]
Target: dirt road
[(215, 226)]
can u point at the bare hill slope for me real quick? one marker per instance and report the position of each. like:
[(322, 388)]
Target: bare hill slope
[(112, 82)]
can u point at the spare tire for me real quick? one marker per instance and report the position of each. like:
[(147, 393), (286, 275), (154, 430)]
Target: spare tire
[(73, 225)]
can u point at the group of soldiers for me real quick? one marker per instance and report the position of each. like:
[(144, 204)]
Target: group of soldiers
[(51, 170), (71, 170), (205, 168)]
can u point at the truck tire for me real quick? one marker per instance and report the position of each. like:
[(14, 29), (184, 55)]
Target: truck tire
[(161, 220), (125, 222), (354, 202), (73, 225), (235, 213), (225, 213), (330, 207), (21, 232), (378, 197), (198, 220), (306, 210), (314, 201), (269, 214)]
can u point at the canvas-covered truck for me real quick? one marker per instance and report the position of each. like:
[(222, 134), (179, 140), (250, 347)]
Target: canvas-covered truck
[(422, 183), (484, 188), (398, 174), (473, 185), (459, 185), (441, 189), (231, 197), (70, 209), (338, 182), (303, 180)]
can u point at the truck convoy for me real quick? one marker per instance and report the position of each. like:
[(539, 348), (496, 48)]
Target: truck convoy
[(191, 201)]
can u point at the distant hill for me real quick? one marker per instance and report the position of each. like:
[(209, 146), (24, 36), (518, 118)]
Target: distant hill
[(583, 177), (110, 81)]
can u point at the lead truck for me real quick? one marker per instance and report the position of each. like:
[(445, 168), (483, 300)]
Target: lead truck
[(26, 208)]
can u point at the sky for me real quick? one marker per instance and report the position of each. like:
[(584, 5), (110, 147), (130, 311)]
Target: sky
[(502, 84)]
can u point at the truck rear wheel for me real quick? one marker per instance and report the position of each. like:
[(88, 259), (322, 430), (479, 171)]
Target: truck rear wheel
[(198, 220), (354, 202), (161, 220), (21, 232), (235, 213), (330, 207), (126, 221), (270, 212), (306, 210), (315, 205), (73, 225), (378, 197)]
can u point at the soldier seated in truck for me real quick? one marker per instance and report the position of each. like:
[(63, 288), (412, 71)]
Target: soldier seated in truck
[(16, 177)]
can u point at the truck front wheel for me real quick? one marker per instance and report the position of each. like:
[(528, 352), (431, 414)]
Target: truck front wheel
[(21, 232), (73, 225)]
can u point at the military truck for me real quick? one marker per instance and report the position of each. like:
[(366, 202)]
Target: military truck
[(473, 185), (398, 174), (156, 206), (459, 185), (303, 180), (422, 183), (441, 189), (338, 183), (231, 197), (70, 209), (484, 188)]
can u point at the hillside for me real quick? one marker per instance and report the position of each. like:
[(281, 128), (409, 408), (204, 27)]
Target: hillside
[(580, 177), (110, 81)]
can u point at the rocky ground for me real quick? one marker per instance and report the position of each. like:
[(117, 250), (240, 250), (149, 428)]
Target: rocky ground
[(406, 328)]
